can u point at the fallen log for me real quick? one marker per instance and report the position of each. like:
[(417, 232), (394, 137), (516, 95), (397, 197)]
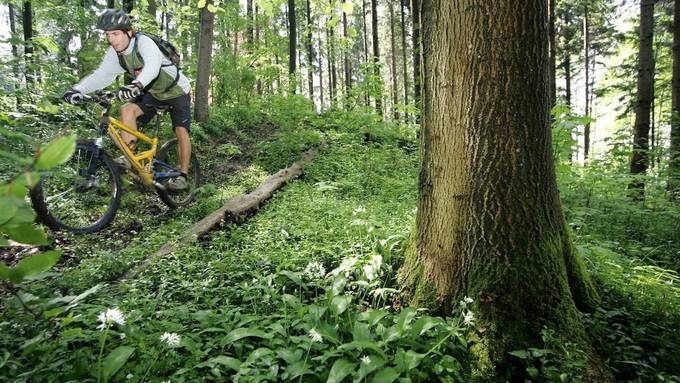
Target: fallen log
[(234, 211)]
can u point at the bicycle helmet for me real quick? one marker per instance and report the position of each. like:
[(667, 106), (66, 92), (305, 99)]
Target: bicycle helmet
[(113, 19)]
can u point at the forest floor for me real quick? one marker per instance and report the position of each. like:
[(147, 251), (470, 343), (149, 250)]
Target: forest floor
[(302, 290)]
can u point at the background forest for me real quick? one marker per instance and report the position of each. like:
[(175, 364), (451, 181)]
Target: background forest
[(306, 289)]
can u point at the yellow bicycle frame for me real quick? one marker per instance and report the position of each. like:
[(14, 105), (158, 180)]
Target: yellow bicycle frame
[(142, 161)]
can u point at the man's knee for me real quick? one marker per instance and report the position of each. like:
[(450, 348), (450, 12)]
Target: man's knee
[(130, 111), (181, 131)]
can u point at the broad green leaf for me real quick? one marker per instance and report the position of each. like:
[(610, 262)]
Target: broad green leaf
[(347, 8), (27, 234), (8, 207), (243, 332), (374, 362), (223, 360), (522, 354), (340, 303), (24, 215), (423, 324), (201, 3), (4, 271), (387, 375), (295, 277), (413, 359), (56, 152), (404, 320), (372, 317), (115, 360), (341, 368), (34, 265), (15, 158), (4, 242), (266, 6), (297, 369), (212, 8)]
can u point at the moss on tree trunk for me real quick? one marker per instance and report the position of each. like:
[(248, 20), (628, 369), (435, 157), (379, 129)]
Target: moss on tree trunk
[(489, 222)]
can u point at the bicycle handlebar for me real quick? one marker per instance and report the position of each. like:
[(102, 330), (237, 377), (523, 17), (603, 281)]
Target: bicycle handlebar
[(102, 98)]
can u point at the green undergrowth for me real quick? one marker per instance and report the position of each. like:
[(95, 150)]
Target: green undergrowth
[(304, 290)]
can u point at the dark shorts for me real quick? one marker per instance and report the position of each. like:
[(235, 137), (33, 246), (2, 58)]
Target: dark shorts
[(180, 109)]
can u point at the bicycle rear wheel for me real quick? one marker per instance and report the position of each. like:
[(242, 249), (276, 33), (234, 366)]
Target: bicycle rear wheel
[(168, 154), (82, 195)]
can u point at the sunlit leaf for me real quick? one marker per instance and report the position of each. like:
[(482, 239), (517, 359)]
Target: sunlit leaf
[(56, 152)]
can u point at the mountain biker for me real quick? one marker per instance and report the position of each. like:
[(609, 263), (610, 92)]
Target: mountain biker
[(156, 80)]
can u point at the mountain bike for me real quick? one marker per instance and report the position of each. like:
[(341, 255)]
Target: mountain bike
[(84, 194)]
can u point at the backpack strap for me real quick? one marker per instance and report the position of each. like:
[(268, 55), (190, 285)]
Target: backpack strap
[(139, 58)]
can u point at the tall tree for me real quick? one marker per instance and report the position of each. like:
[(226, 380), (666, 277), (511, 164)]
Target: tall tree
[(393, 61), (365, 31), (376, 52), (553, 53), (645, 92), (27, 23), (110, 3), (489, 223), (674, 164), (205, 43), (13, 29), (310, 51), (403, 51), (292, 46), (415, 15), (152, 9), (346, 65), (250, 36), (586, 71), (128, 5)]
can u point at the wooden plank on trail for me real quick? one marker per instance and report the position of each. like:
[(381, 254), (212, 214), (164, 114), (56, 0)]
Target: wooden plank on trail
[(235, 210)]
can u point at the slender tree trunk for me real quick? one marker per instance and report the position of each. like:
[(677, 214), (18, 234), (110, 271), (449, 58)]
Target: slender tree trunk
[(553, 53), (128, 5), (346, 65), (257, 45), (376, 53), (331, 67), (13, 29), (586, 59), (403, 53), (332, 57), (415, 14), (152, 9), (110, 4), (674, 164), (365, 30), (166, 20), (566, 63), (207, 22), (393, 53), (292, 46), (320, 58), (27, 18), (645, 93), (489, 223), (250, 36), (310, 52)]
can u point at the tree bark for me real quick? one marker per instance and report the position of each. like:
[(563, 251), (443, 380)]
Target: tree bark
[(207, 22), (553, 53), (346, 65), (376, 53), (310, 52), (403, 53), (292, 46), (645, 93), (586, 59), (566, 63), (152, 9), (415, 14), (673, 185), (128, 5), (13, 29), (365, 31), (489, 223), (27, 23), (332, 68), (257, 43), (250, 36), (110, 4), (393, 62)]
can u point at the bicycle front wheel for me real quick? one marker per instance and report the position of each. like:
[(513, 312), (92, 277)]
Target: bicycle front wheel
[(169, 155), (82, 195)]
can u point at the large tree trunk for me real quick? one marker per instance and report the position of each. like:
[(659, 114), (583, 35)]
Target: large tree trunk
[(393, 55), (202, 107), (376, 52), (13, 30), (645, 92), (292, 46), (310, 52), (674, 164), (553, 53), (415, 14), (403, 52), (489, 223), (586, 67)]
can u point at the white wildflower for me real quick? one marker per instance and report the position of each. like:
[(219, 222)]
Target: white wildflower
[(122, 335), (365, 359), (171, 339), (110, 316), (372, 270), (316, 337), (469, 318), (359, 209), (314, 270), (129, 376), (466, 301)]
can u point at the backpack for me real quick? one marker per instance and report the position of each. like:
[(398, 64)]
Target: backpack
[(167, 49)]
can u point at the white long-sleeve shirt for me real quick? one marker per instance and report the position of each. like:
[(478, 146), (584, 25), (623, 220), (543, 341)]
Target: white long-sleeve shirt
[(154, 62)]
